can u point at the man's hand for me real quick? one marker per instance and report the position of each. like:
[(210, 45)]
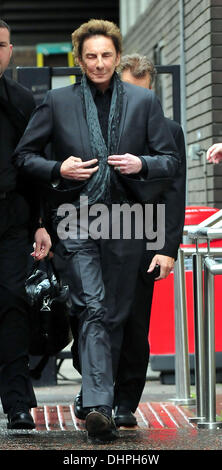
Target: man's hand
[(42, 244), (126, 164), (74, 168), (214, 153), (166, 264)]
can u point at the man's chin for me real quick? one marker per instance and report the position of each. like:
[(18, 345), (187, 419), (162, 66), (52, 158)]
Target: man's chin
[(101, 82), (99, 78)]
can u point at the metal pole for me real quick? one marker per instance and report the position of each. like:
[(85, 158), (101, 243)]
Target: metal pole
[(182, 370), (199, 335), (210, 362)]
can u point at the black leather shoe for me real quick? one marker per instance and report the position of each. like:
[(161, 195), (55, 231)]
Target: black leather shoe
[(79, 411), (123, 416), (100, 427), (20, 420)]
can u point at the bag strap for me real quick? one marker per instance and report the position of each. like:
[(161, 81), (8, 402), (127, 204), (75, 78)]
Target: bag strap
[(55, 271), (50, 268)]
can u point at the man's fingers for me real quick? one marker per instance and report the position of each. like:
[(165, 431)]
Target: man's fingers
[(119, 164), (165, 264), (151, 267), (81, 174), (89, 162), (40, 252), (116, 157), (75, 169), (92, 170), (214, 153), (87, 173), (76, 159), (37, 248), (116, 162)]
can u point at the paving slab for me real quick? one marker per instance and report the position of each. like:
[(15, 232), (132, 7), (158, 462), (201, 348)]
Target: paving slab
[(163, 430)]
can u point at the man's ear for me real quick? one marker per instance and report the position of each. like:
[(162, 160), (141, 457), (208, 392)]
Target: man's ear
[(118, 58), (81, 64)]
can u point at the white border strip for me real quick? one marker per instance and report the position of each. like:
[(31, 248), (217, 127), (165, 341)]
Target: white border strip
[(60, 418), (169, 414), (184, 416), (46, 417), (73, 417), (155, 414), (143, 417)]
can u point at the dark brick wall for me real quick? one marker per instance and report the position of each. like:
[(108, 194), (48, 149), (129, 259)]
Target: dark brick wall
[(53, 20), (160, 24)]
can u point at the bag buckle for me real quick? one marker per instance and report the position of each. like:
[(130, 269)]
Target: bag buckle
[(46, 304)]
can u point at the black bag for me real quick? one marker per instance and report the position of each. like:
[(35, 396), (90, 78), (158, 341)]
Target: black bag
[(50, 304)]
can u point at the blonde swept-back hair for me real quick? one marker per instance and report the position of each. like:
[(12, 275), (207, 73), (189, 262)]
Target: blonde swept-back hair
[(92, 28)]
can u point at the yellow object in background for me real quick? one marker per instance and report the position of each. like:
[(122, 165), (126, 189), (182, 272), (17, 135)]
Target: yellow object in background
[(55, 48)]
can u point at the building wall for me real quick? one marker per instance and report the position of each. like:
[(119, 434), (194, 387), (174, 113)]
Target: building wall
[(159, 25), (130, 10), (38, 21)]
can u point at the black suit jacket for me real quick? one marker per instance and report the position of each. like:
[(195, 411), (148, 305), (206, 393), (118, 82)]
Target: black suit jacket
[(21, 107), (175, 197), (60, 120), (22, 101)]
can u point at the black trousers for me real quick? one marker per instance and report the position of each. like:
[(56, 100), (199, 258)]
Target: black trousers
[(15, 383), (134, 356), (101, 275)]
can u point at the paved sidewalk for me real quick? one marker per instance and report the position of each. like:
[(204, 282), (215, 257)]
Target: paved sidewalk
[(162, 427)]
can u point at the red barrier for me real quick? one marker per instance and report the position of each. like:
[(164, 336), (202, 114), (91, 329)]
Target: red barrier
[(162, 324)]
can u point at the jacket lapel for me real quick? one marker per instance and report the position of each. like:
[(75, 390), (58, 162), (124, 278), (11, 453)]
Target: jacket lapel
[(81, 122)]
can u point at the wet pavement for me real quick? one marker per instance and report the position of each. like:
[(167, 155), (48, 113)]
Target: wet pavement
[(163, 429)]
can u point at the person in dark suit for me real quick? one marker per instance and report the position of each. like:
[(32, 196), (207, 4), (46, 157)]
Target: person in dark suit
[(16, 390), (134, 357), (99, 130)]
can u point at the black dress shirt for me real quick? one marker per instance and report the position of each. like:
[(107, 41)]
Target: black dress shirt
[(102, 102)]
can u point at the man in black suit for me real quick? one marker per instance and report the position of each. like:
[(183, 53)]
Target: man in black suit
[(99, 130), (134, 357), (16, 391)]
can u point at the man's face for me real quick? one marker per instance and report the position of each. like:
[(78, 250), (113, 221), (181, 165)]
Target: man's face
[(144, 82), (5, 49), (99, 60)]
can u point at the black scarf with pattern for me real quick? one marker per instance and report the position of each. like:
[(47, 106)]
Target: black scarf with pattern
[(98, 186)]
